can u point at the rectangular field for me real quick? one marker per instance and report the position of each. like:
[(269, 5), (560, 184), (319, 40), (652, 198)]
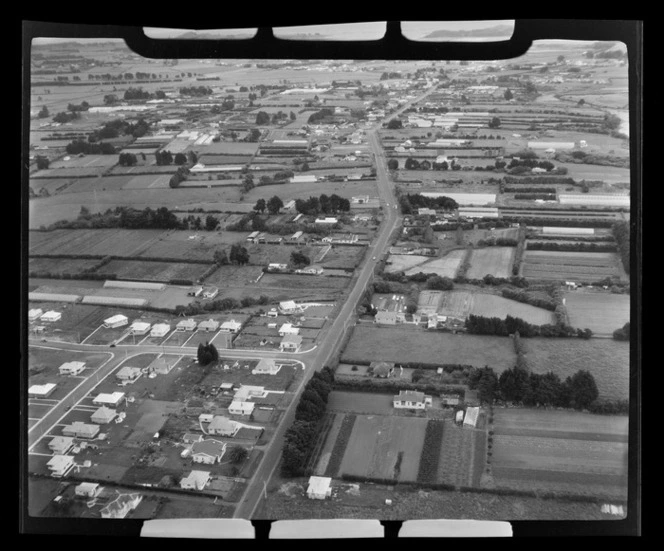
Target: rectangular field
[(574, 266), (603, 313), (411, 344), (148, 181), (496, 306), (155, 271), (563, 451), (496, 261), (403, 262), (446, 266), (60, 265), (385, 447), (98, 242)]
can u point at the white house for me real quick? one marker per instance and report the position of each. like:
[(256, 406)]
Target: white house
[(290, 343), (231, 326), (208, 451), (121, 506), (327, 220), (79, 429), (128, 373), (41, 391), (288, 329), (223, 426), (51, 316), (35, 314), (211, 292), (139, 328), (160, 329), (319, 487), (186, 325), (241, 408), (115, 321), (103, 415), (195, 480), (208, 325), (266, 366), (410, 399), (195, 291), (71, 368), (385, 317), (275, 267), (60, 465), (60, 445), (88, 489), (303, 179), (289, 307), (105, 399), (248, 391)]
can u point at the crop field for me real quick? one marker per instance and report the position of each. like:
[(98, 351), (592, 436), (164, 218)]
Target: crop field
[(410, 344), (108, 183), (234, 276), (155, 271), (262, 254), (296, 281), (574, 266), (570, 452), (299, 190), (99, 242), (602, 313), (60, 265), (496, 261), (86, 161), (607, 360), (446, 266), (148, 181), (384, 447)]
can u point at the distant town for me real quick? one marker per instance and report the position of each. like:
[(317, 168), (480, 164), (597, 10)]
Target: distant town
[(284, 289)]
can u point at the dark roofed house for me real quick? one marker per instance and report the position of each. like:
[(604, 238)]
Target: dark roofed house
[(382, 369)]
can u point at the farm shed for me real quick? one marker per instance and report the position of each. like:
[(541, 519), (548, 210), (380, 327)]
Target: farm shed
[(115, 301), (160, 329), (208, 451), (195, 291), (478, 212), (211, 292), (290, 343), (88, 489), (34, 314), (60, 465), (208, 325), (186, 325), (241, 408), (551, 145), (104, 399), (51, 316), (550, 230), (595, 200), (319, 487), (41, 391), (410, 399), (103, 415), (142, 285), (78, 429), (116, 321), (223, 426), (471, 416), (121, 506), (128, 373), (71, 368), (195, 480), (266, 366), (60, 445), (303, 179)]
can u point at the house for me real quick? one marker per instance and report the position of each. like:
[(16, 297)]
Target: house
[(432, 322), (160, 330), (186, 325), (211, 292), (208, 451), (386, 318), (79, 429), (191, 438), (88, 489), (162, 365), (231, 326), (195, 480), (288, 329), (60, 445), (289, 307), (319, 487), (426, 212), (223, 426), (205, 418), (241, 408), (51, 316), (35, 314), (275, 267), (60, 465), (410, 399), (113, 399), (208, 325), (266, 366), (326, 220), (249, 391), (195, 291), (115, 321), (139, 328), (103, 415), (290, 343), (382, 369), (41, 391), (71, 368), (253, 235), (121, 506), (128, 373)]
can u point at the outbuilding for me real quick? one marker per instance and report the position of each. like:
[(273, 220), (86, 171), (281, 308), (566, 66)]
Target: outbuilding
[(319, 487)]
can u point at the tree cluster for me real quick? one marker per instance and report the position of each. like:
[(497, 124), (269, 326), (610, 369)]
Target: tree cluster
[(81, 146), (66, 116), (318, 116), (195, 91), (481, 325), (622, 334), (621, 235), (127, 159), (323, 204), (136, 94), (412, 201), (207, 354), (239, 254)]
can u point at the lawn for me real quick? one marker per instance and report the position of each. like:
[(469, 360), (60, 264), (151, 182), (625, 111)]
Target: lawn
[(496, 261), (607, 360), (411, 344), (603, 313), (562, 451), (384, 447)]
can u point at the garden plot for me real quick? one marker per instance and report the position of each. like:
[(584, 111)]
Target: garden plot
[(446, 266), (602, 313), (571, 266), (384, 447), (496, 261)]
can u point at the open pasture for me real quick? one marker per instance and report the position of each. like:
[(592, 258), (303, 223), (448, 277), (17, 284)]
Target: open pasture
[(296, 281), (446, 266), (403, 344), (403, 262), (148, 181), (86, 161), (564, 451), (342, 257), (107, 183), (496, 261), (602, 313), (571, 266), (155, 271), (60, 265), (94, 242), (384, 447)]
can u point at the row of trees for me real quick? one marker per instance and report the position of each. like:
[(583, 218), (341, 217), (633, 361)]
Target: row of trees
[(621, 235), (272, 205), (301, 437), (196, 91), (579, 246), (518, 386), (77, 147), (412, 201), (325, 204), (481, 325), (220, 305)]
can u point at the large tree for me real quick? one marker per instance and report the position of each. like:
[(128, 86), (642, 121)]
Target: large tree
[(239, 254), (274, 205), (299, 259), (211, 223), (583, 389), (260, 205)]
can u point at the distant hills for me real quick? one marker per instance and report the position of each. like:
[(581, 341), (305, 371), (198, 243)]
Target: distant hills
[(497, 30)]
